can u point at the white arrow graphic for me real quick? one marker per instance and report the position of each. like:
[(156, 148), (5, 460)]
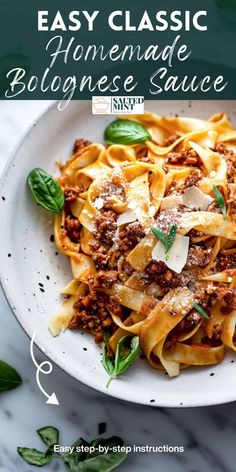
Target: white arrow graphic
[(51, 399)]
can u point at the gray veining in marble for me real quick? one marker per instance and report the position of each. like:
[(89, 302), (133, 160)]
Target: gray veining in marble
[(207, 434)]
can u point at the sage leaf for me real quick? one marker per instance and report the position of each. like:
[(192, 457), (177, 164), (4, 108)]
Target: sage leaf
[(220, 200), (171, 237), (126, 132), (46, 190), (9, 377), (168, 240), (34, 457), (49, 435)]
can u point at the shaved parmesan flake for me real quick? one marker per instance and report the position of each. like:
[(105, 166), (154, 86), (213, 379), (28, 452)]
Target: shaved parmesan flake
[(176, 257), (98, 203), (195, 198), (171, 201), (152, 210), (126, 217), (61, 320)]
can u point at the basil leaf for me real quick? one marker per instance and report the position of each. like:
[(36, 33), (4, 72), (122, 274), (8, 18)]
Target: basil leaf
[(49, 435), (101, 463), (112, 442), (72, 460), (107, 361), (103, 460), (126, 353), (46, 190), (126, 132), (34, 457), (201, 311), (97, 460), (220, 200), (9, 377), (123, 362)]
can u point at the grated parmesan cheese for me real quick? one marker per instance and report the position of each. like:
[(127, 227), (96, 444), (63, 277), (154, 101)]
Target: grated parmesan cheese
[(98, 203)]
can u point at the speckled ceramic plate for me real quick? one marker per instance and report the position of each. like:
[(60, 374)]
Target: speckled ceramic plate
[(32, 272)]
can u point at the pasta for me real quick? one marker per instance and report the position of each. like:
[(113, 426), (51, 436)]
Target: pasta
[(150, 230)]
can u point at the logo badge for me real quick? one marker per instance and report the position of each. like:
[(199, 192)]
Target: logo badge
[(117, 105)]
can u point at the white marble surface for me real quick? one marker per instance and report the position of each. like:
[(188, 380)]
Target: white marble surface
[(207, 434)]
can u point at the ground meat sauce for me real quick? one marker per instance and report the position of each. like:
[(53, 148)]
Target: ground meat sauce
[(92, 314), (80, 144), (99, 255), (112, 195), (186, 156), (105, 227), (232, 200), (126, 268), (192, 179), (214, 341), (71, 193), (72, 228), (214, 207), (195, 235), (165, 278), (187, 324), (146, 159), (142, 156), (198, 256), (103, 279), (130, 235), (230, 158), (71, 225), (229, 300), (171, 139), (225, 261)]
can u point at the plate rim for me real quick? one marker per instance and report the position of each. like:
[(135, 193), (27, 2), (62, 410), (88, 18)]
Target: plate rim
[(51, 356)]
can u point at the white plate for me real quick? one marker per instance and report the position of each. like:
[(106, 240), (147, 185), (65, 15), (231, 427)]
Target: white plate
[(28, 257)]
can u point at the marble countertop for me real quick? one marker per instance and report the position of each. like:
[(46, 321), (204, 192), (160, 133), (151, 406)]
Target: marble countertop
[(207, 434)]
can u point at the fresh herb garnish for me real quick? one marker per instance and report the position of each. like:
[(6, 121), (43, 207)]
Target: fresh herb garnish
[(46, 190), (126, 132), (201, 311), (101, 454), (126, 352), (166, 240), (34, 457), (49, 435), (9, 377), (220, 200)]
